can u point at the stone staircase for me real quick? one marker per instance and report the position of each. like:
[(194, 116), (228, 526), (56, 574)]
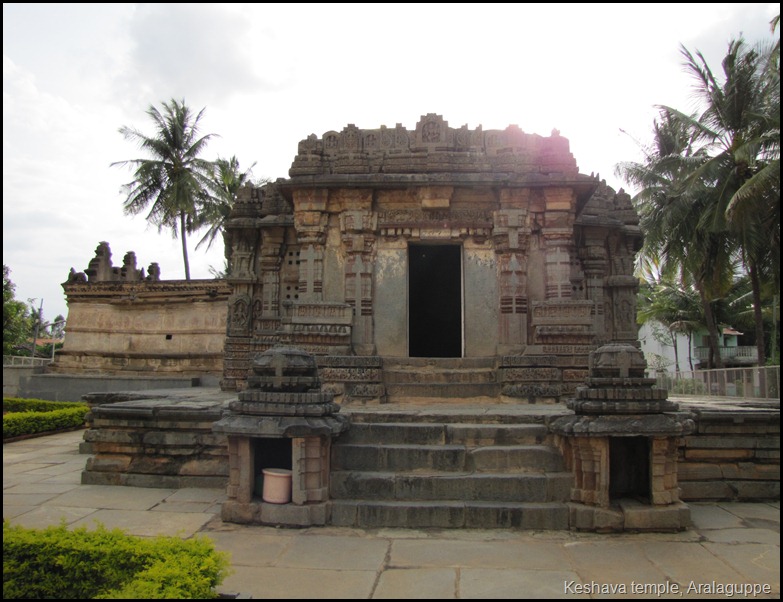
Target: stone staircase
[(456, 468), (446, 378)]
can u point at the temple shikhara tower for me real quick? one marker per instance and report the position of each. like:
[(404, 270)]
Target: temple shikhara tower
[(432, 262)]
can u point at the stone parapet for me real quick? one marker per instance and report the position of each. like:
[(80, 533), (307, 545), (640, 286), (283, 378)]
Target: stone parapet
[(432, 147), (733, 455), (155, 442)]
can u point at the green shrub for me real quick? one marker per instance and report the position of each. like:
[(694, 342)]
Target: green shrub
[(18, 404), (29, 416), (77, 564)]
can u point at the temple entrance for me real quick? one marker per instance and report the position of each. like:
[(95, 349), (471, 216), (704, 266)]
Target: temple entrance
[(435, 300)]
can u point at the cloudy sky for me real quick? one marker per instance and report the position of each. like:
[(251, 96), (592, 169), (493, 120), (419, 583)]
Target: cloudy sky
[(269, 75)]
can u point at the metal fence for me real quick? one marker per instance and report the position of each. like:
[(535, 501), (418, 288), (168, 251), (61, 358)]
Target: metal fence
[(749, 383), (18, 360)]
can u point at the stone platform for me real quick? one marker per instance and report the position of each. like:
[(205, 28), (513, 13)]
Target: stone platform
[(165, 439)]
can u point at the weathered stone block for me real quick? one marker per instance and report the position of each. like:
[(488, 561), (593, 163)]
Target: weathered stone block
[(169, 438), (705, 490), (108, 463), (720, 455), (205, 467), (757, 490), (636, 516), (699, 471), (594, 518)]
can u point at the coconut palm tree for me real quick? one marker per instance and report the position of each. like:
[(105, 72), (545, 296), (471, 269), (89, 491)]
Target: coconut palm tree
[(677, 239), (739, 129), (227, 179), (174, 180)]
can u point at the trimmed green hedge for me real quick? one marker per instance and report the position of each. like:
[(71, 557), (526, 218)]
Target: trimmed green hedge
[(19, 404), (77, 564), (29, 416)]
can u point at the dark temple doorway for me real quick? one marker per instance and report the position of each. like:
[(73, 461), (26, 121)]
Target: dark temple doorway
[(435, 300)]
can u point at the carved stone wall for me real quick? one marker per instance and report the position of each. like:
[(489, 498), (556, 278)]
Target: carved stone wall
[(546, 252)]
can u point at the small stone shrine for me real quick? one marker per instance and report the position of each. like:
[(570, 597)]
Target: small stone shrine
[(621, 446), (282, 422)]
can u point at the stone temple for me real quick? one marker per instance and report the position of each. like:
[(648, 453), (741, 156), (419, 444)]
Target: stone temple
[(419, 328), (433, 262)]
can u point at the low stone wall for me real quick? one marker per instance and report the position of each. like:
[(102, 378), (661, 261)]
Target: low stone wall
[(73, 387), (166, 439), (14, 376), (149, 440), (734, 455)]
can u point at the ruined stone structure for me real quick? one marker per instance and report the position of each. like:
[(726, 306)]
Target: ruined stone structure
[(122, 320), (482, 254)]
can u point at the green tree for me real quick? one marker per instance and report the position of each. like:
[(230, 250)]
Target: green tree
[(175, 180), (740, 130), (677, 239), (227, 179), (676, 307), (16, 318)]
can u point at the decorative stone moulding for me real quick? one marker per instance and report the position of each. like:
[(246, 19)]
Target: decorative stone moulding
[(617, 384)]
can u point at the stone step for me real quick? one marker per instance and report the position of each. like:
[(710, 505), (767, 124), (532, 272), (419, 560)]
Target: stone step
[(439, 377), (369, 514), (439, 363), (453, 458), (545, 487), (487, 415), (443, 390), (470, 435), (398, 457)]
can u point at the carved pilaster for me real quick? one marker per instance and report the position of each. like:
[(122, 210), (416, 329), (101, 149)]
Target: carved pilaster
[(311, 273), (594, 263), (358, 237), (513, 302), (269, 266), (557, 264)]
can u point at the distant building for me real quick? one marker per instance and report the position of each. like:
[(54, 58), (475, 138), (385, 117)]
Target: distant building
[(660, 356)]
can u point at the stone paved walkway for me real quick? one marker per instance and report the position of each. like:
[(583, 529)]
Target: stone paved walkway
[(730, 545)]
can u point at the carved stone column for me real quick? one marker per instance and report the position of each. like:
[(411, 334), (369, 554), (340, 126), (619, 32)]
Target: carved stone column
[(622, 287), (557, 263)]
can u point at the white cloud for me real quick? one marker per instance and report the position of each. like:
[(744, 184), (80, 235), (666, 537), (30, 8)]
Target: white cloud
[(271, 74)]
